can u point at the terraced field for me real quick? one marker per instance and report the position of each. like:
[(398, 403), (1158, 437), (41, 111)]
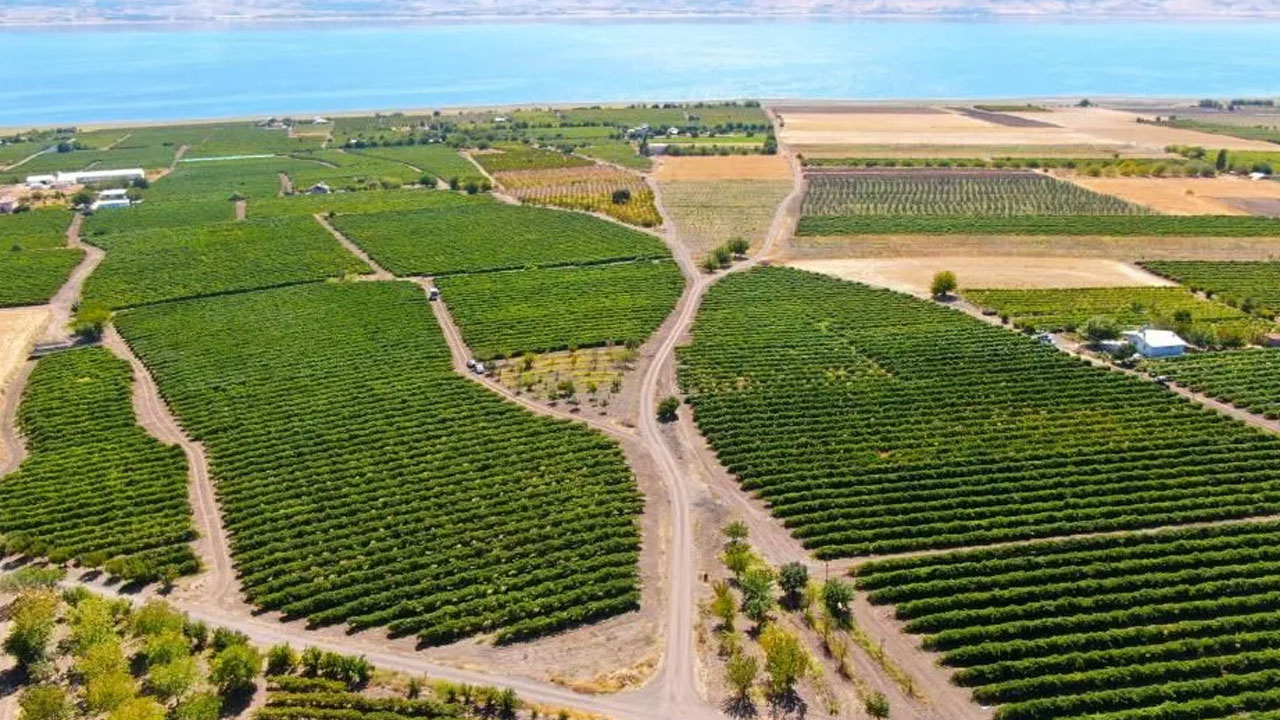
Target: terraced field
[(1255, 285), (1204, 322), (872, 422), (1248, 379), (505, 314), (363, 481), (1175, 625), (95, 487), (151, 266), (953, 192), (490, 236)]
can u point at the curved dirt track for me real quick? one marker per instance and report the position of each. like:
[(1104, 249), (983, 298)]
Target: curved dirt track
[(217, 578)]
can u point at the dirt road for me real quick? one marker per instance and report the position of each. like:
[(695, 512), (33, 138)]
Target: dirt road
[(379, 273), (62, 306), (217, 579)]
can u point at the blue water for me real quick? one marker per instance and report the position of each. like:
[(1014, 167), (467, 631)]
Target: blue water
[(84, 75)]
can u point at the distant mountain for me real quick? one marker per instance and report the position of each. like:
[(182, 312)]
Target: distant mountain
[(98, 11)]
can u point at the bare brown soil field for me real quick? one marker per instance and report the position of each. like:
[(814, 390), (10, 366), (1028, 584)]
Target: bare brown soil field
[(1117, 248), (1183, 196), (856, 109), (19, 329), (708, 213), (723, 167), (913, 274), (1268, 207), (1105, 125)]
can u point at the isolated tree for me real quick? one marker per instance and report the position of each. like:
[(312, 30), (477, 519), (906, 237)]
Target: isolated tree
[(792, 578), (723, 605), (709, 264), (738, 246), (1220, 163), (234, 668), (668, 409), (45, 702), (740, 672), (736, 531), (621, 196), (1099, 328), (757, 594), (837, 597), (723, 256), (785, 660), (944, 283)]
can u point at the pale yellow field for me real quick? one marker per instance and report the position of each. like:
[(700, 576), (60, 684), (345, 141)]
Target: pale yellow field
[(1182, 196), (19, 329), (1122, 127), (943, 128), (723, 167), (1082, 246), (708, 213), (914, 274)]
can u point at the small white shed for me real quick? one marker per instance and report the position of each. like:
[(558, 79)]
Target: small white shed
[(1156, 343)]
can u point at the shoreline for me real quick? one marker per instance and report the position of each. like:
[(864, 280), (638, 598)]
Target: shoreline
[(1100, 100), (277, 21)]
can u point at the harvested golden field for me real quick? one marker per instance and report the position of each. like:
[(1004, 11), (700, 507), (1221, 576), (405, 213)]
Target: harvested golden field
[(942, 128), (914, 274), (1126, 249), (1184, 196), (723, 167), (707, 213), (591, 188), (1117, 126), (971, 151)]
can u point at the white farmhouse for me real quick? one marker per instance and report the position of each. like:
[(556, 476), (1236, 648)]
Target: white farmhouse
[(1156, 343)]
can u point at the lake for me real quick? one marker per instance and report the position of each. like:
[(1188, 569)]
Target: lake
[(162, 73)]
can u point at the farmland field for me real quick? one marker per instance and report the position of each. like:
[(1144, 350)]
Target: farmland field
[(368, 201), (872, 422), (220, 179), (1176, 624), (438, 160), (536, 310), (1202, 322), (586, 188), (490, 236), (1247, 284), (363, 481), (1101, 225), (956, 192), (349, 171), (518, 157), (708, 213), (95, 487), (151, 266), (1263, 132), (1222, 195), (152, 215), (1248, 379), (34, 230), (31, 277)]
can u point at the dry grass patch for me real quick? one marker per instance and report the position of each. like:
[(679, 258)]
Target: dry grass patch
[(1126, 249), (590, 375), (589, 188), (913, 275), (723, 167), (19, 329), (708, 213), (1184, 196), (984, 151)]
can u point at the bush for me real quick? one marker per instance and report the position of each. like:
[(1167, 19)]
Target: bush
[(281, 660), (201, 706), (33, 616), (45, 702), (944, 283), (234, 668), (1099, 328), (668, 409)]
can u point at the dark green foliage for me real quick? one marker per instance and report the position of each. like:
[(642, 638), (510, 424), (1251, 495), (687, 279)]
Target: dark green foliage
[(417, 486), (505, 314), (1254, 286), (95, 487), (490, 236), (872, 422), (31, 277)]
